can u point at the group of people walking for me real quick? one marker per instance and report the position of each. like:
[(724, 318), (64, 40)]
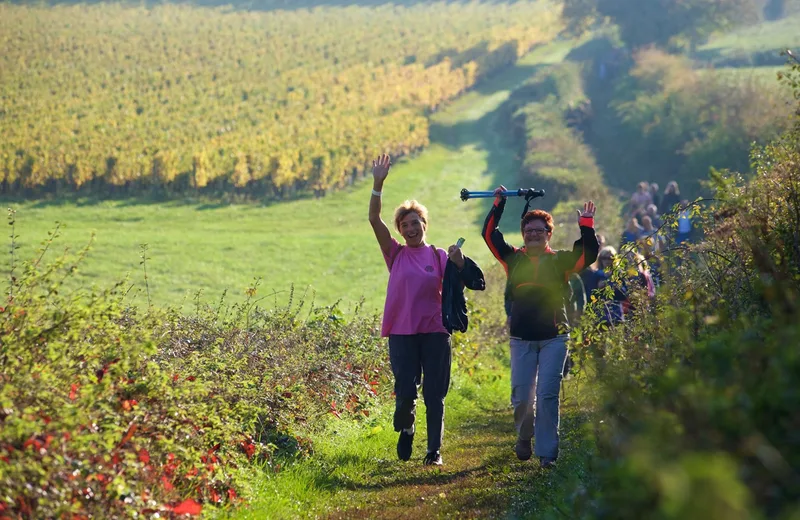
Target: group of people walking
[(418, 321)]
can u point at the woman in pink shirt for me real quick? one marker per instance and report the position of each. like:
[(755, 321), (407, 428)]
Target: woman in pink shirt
[(419, 344)]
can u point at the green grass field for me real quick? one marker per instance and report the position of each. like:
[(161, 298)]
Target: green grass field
[(324, 245), (747, 42)]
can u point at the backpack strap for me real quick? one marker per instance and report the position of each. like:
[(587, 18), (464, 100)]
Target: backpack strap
[(437, 261)]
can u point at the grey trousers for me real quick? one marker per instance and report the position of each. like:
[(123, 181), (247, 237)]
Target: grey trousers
[(536, 372), (426, 359)]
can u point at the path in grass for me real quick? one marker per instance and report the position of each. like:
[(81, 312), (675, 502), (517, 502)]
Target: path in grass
[(355, 473), (324, 244)]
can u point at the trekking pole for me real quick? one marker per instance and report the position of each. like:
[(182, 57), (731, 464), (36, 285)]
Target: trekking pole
[(527, 193)]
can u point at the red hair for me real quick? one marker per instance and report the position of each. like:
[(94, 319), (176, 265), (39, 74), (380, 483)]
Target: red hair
[(537, 214)]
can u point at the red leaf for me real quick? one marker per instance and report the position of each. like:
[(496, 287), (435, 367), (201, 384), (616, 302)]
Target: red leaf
[(249, 448), (167, 484), (73, 391), (190, 378), (334, 412), (170, 457), (144, 456), (365, 412), (175, 377), (215, 496), (231, 494), (131, 430), (187, 507)]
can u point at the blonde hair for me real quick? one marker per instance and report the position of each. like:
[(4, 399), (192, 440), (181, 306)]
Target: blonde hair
[(407, 207), (609, 250)]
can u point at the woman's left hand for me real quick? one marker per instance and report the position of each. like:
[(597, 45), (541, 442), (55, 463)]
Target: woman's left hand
[(589, 210), (455, 254)]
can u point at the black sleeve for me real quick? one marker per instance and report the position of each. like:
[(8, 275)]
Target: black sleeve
[(472, 276), (584, 251), (493, 237)]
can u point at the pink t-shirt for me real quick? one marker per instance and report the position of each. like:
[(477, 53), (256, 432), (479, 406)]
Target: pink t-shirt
[(414, 295)]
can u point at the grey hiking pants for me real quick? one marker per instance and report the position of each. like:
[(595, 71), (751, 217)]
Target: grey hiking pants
[(426, 359), (536, 372)]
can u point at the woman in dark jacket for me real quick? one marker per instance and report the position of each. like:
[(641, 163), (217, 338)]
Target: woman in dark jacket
[(538, 290)]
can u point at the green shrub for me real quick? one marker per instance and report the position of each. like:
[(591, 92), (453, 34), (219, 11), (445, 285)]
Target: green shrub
[(698, 386), (108, 412), (675, 123)]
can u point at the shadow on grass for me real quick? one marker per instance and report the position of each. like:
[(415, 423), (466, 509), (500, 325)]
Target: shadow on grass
[(490, 134), (200, 202)]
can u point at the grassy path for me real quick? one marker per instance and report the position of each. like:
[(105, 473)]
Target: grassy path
[(355, 473), (325, 245)]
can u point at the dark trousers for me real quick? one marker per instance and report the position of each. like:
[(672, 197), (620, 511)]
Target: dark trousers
[(424, 358)]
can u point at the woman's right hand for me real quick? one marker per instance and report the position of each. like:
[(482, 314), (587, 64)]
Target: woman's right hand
[(380, 168), (498, 193)]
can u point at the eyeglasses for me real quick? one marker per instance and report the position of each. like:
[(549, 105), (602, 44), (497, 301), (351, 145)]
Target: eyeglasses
[(536, 231)]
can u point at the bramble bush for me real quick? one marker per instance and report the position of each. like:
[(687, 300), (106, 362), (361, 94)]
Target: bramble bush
[(698, 415), (106, 411)]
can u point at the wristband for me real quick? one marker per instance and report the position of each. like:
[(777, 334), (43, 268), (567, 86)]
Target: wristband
[(377, 193)]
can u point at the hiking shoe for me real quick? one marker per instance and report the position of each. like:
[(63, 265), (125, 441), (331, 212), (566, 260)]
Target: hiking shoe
[(547, 462), (523, 449), (433, 458), (404, 444)]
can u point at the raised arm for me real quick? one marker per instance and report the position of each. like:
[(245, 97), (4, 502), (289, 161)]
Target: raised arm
[(584, 251), (380, 170), (492, 236)]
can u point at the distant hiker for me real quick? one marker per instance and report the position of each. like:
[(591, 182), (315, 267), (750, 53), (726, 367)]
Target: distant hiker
[(595, 280), (633, 232), (419, 341), (538, 289), (655, 195), (672, 196), (640, 199), (684, 222), (655, 218)]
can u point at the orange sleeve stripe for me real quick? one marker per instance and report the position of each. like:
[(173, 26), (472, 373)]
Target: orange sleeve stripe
[(580, 264), (488, 239)]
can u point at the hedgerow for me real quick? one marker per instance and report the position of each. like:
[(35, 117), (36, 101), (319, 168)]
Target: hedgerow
[(108, 411), (698, 386)]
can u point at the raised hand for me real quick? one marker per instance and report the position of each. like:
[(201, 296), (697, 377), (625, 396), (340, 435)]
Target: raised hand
[(498, 192), (380, 168), (589, 210)]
